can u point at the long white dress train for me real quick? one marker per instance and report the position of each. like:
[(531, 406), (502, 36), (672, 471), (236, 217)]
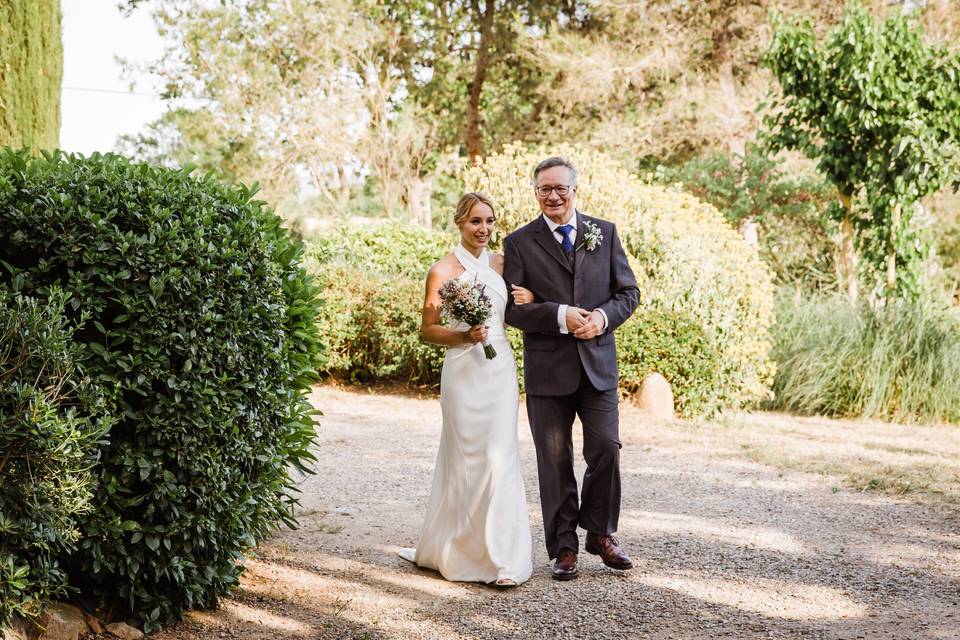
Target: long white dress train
[(476, 528)]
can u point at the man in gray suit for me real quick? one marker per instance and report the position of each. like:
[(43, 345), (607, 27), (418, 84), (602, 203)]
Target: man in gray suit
[(583, 290)]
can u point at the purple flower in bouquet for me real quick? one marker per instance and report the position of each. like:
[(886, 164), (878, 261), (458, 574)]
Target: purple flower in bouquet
[(467, 303)]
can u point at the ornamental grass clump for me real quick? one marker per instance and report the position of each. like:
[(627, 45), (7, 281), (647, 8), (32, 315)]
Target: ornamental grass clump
[(199, 333)]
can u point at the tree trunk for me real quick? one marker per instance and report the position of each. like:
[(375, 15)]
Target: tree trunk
[(892, 253), (419, 202), (479, 76), (848, 254), (343, 197)]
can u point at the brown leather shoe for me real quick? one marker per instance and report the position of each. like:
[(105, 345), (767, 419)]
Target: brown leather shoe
[(608, 548), (565, 568)]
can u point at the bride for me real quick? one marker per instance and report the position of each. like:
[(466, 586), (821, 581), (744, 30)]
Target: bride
[(476, 528)]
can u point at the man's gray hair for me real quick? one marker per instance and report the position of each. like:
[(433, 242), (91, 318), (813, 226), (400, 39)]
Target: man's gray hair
[(555, 161)]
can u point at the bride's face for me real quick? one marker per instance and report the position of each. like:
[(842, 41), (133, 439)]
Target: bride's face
[(476, 230)]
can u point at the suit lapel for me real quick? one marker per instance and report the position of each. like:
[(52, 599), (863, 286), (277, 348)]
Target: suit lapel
[(581, 253), (546, 240)]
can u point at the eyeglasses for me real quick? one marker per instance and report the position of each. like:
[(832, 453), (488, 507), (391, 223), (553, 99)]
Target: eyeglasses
[(561, 189)]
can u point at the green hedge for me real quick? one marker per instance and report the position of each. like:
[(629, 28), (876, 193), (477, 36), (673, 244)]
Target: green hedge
[(31, 69), (202, 336), (841, 359), (372, 280), (47, 446)]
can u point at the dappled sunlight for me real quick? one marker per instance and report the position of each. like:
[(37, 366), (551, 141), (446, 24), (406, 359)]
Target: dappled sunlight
[(349, 591), (915, 556), (754, 537), (766, 597), (261, 616)]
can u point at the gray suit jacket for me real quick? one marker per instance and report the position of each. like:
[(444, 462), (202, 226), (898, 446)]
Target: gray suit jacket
[(601, 278)]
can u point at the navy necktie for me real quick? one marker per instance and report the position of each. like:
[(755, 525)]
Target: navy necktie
[(566, 243)]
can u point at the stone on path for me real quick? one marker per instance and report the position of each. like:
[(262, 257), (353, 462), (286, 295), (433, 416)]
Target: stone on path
[(63, 622), (655, 398), (124, 631)]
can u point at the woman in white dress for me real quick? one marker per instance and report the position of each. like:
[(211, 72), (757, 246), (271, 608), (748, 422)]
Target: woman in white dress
[(476, 528)]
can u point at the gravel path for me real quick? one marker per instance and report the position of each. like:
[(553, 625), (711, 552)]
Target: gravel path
[(724, 548)]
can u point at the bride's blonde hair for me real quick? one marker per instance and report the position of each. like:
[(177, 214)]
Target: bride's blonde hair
[(467, 202)]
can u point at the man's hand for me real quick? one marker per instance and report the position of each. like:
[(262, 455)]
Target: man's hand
[(576, 318), (591, 328)]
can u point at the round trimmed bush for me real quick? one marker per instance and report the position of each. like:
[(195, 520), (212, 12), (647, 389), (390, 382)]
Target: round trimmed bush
[(693, 270), (202, 339), (47, 445)]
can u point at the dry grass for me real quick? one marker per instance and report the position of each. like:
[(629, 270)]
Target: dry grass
[(918, 462)]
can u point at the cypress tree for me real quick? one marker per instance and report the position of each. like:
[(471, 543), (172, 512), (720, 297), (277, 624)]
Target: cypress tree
[(31, 69)]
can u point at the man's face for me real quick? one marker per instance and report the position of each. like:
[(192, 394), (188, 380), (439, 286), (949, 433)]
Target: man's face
[(559, 208)]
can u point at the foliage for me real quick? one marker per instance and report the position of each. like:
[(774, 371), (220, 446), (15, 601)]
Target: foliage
[(676, 346), (880, 111), (372, 280), (659, 81), (688, 261), (31, 67), (371, 324), (794, 234), (201, 337), (837, 358), (386, 248), (461, 63), (47, 445)]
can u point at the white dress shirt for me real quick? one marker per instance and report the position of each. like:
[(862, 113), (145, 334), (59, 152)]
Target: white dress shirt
[(558, 235)]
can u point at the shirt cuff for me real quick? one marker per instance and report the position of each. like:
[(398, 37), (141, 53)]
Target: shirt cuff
[(606, 322), (562, 319)]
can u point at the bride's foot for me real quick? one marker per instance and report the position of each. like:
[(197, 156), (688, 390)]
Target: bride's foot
[(408, 554), (505, 583)]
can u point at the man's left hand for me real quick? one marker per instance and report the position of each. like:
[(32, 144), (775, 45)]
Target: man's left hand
[(591, 328)]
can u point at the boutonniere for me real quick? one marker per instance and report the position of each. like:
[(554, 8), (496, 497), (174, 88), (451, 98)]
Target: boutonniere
[(592, 236)]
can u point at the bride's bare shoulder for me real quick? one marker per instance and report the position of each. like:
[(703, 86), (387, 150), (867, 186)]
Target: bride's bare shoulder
[(446, 267)]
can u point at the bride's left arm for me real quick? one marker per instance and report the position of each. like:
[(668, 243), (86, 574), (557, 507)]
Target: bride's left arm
[(521, 295)]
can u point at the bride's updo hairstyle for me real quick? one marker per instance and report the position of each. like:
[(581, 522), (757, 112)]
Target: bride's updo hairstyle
[(467, 201)]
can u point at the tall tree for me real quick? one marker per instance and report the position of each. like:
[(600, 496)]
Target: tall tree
[(292, 90), (462, 64), (31, 70), (879, 110)]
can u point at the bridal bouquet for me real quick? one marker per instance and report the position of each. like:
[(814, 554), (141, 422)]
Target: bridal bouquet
[(467, 303)]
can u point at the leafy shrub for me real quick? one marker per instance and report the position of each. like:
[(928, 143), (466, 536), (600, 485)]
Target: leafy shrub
[(372, 280), (202, 338), (842, 359), (794, 230), (370, 324), (675, 346), (46, 449), (689, 264)]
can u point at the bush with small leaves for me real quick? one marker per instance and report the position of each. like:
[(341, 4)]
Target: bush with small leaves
[(48, 442)]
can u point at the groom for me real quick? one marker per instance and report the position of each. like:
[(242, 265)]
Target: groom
[(583, 290)]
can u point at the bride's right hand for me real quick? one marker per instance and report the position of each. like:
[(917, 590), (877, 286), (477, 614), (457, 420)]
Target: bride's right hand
[(476, 334), (521, 295)]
